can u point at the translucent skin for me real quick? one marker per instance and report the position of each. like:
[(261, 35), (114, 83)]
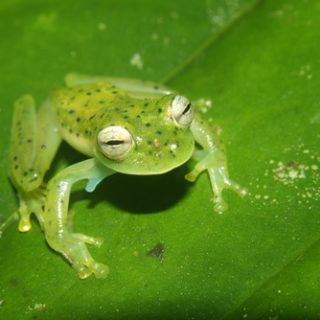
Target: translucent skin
[(77, 114)]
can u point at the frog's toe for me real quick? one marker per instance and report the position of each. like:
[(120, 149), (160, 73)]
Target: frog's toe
[(24, 221), (24, 224), (219, 204), (236, 188), (13, 217), (83, 271), (74, 249), (100, 270), (87, 239), (193, 175)]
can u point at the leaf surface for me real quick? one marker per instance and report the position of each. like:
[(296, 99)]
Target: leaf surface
[(170, 255)]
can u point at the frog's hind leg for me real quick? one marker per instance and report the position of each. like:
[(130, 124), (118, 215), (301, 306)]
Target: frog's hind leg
[(134, 87), (34, 141)]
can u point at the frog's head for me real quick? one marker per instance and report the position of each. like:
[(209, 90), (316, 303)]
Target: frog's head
[(152, 136)]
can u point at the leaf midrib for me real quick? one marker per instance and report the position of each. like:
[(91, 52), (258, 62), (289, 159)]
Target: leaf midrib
[(303, 253), (215, 37)]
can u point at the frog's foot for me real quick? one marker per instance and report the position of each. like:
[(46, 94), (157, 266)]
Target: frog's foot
[(31, 203), (73, 247), (220, 181), (219, 178)]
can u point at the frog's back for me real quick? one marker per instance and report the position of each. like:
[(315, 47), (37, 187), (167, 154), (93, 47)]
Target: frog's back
[(79, 108)]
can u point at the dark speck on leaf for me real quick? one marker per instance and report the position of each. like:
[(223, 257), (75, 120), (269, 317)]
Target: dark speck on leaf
[(157, 251)]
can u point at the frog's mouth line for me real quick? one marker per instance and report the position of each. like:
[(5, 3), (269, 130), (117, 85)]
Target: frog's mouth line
[(153, 173), (143, 166)]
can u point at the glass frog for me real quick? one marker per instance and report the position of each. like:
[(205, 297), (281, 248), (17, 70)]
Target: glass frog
[(122, 125)]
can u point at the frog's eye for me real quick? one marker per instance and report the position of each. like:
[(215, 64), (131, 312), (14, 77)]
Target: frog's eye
[(115, 142), (181, 111)]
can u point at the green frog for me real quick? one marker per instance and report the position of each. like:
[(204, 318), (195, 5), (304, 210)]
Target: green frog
[(122, 125)]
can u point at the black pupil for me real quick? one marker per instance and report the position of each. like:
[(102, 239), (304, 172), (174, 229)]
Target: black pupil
[(114, 142), (188, 107)]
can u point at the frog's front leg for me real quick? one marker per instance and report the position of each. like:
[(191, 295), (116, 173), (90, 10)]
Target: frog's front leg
[(56, 223), (34, 142), (213, 159)]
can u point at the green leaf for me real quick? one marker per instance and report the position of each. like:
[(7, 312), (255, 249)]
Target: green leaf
[(170, 254)]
